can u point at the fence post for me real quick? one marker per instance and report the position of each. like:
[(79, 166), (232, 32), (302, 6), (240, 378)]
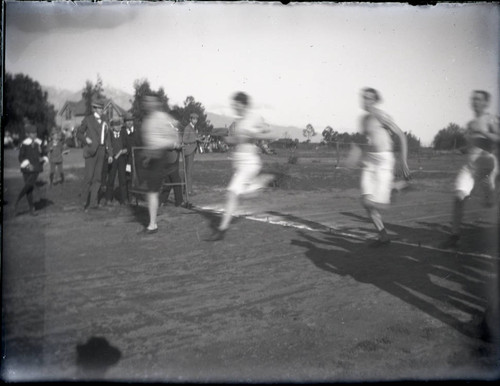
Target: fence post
[(338, 154)]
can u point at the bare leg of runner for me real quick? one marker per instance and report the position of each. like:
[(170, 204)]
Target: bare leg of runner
[(153, 202)]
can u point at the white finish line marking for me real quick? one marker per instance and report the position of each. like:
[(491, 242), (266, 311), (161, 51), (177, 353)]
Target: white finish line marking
[(278, 220)]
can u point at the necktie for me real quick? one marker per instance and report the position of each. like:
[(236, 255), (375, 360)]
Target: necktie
[(103, 132)]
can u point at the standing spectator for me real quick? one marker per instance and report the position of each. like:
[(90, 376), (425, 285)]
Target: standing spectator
[(190, 144), (172, 176), (56, 148), (132, 141), (8, 141), (92, 133), (159, 134), (117, 157), (31, 157)]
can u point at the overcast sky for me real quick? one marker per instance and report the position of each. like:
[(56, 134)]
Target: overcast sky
[(301, 63)]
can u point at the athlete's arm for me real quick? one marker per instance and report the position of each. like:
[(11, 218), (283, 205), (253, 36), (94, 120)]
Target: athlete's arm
[(388, 123), (493, 129)]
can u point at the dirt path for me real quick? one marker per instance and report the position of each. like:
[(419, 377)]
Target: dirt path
[(300, 300)]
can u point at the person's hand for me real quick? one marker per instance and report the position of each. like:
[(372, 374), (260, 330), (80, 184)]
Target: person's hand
[(110, 160), (29, 168), (124, 151), (405, 170), (88, 140)]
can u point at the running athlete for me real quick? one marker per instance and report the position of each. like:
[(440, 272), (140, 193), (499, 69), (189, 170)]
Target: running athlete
[(482, 136), (247, 163), (378, 161)]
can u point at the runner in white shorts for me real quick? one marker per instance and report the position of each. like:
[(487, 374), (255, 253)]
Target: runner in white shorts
[(378, 161), (482, 136), (247, 163)]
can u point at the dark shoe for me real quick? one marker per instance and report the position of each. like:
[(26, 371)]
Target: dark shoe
[(186, 205), (33, 213), (217, 235)]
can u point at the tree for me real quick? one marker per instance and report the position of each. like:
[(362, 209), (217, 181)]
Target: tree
[(92, 93), (327, 134), (309, 132), (192, 106), (25, 99), (451, 137), (330, 135), (87, 96)]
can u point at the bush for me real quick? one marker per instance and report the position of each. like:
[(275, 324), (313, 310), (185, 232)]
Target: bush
[(450, 138), (293, 159), (282, 177)]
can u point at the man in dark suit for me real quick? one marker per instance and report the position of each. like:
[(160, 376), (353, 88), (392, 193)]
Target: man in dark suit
[(190, 143), (92, 134), (171, 175)]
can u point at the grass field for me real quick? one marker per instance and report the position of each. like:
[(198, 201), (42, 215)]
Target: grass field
[(292, 294)]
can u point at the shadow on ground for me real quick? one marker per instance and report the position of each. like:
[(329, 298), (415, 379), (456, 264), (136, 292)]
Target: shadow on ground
[(476, 239), (449, 287)]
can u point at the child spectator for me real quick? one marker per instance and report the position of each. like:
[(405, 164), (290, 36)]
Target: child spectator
[(117, 157), (56, 150), (31, 158)]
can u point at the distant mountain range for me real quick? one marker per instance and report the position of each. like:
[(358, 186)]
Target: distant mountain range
[(220, 121), (58, 97)]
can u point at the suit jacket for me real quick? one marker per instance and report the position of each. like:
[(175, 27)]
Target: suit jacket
[(31, 153), (91, 128), (189, 138), (114, 145)]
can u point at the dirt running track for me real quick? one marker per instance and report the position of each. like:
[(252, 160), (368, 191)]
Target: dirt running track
[(295, 296)]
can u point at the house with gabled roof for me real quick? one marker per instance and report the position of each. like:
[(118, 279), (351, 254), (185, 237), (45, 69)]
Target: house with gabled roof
[(114, 112), (71, 115)]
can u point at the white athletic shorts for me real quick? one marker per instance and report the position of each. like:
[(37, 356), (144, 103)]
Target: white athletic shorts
[(481, 167), (377, 176), (247, 166)]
